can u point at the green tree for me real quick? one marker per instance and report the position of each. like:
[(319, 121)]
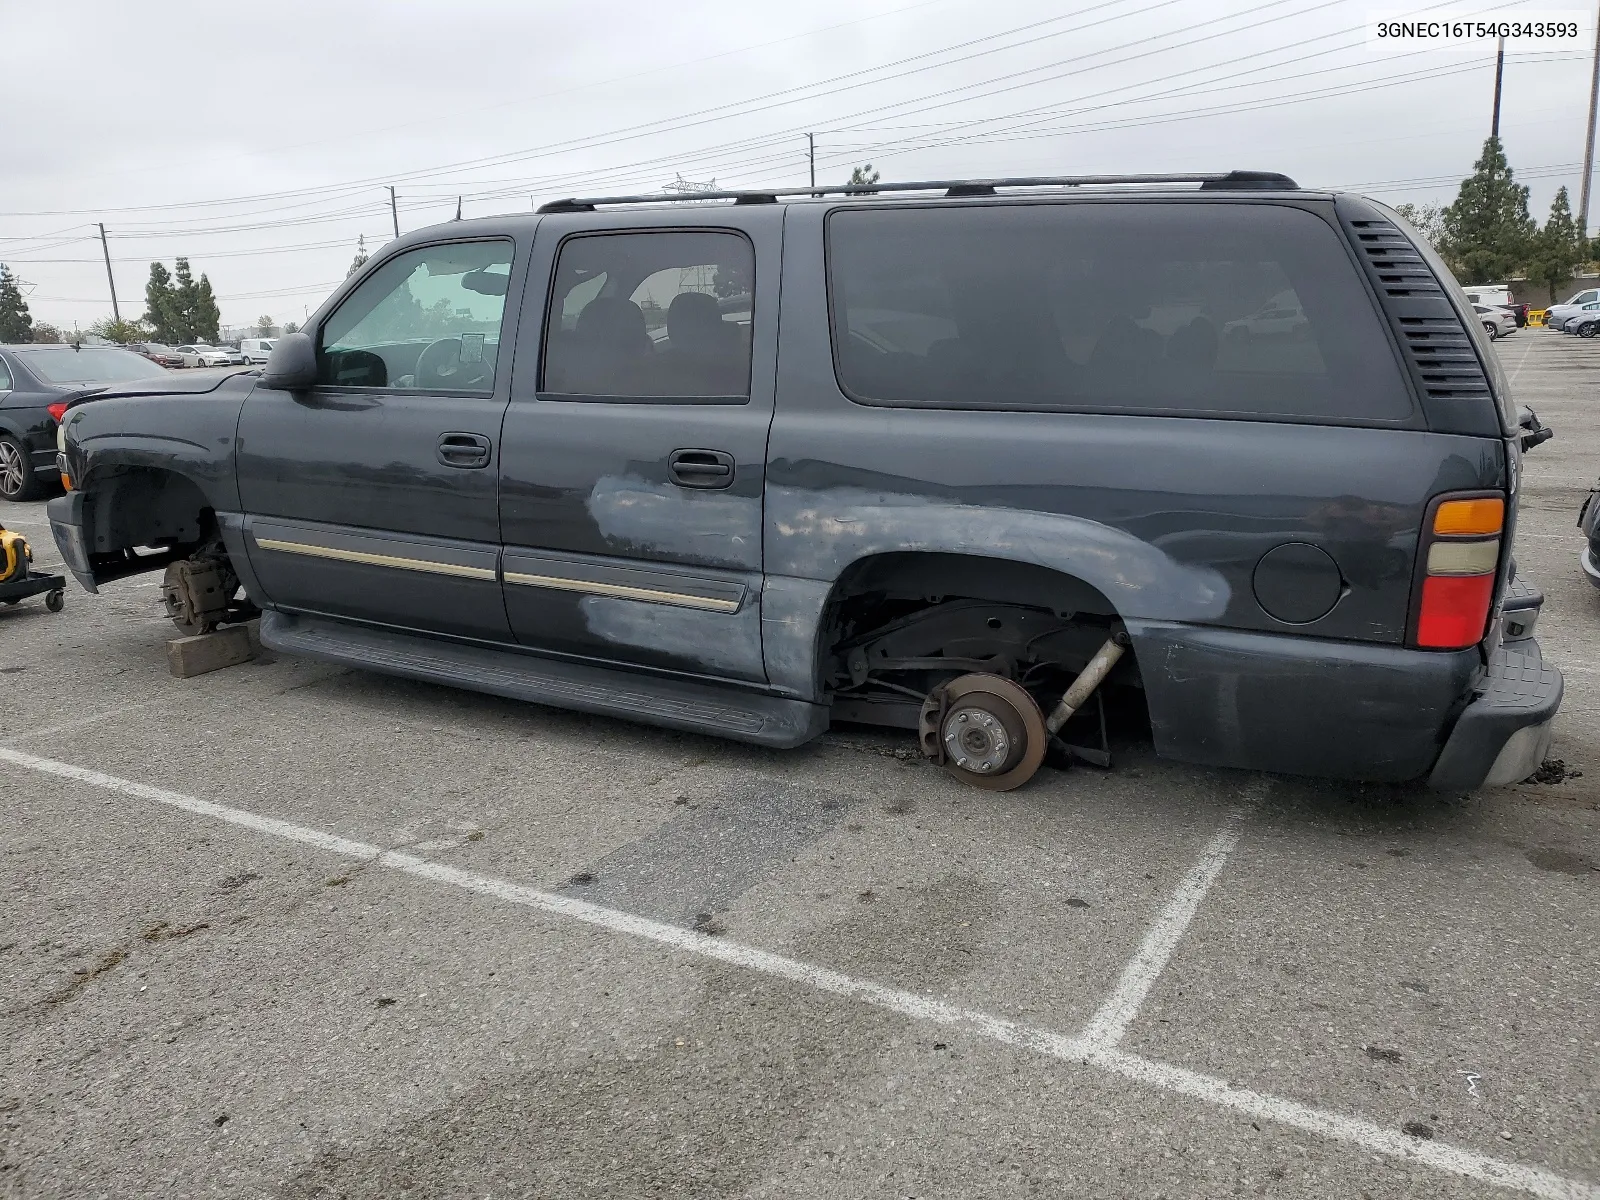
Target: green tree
[(862, 176), (291, 326), (184, 298), (1558, 248), (205, 314), (121, 332), (360, 258), (264, 326), (162, 312), (1426, 219), (16, 322), (46, 334), (1487, 230)]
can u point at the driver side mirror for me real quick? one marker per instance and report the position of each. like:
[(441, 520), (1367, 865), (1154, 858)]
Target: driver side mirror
[(292, 365)]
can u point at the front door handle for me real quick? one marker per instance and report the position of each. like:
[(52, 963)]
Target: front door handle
[(466, 450), (708, 469)]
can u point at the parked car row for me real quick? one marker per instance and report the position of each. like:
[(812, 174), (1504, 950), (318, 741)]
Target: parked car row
[(1583, 320), (199, 354), (1557, 316)]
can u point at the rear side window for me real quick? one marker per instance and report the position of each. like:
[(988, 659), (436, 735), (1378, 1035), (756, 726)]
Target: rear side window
[(651, 316), (1207, 309)]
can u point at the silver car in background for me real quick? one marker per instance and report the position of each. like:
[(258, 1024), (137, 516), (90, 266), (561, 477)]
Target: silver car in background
[(1497, 322)]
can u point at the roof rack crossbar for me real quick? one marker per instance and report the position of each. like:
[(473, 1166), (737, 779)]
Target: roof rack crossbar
[(1216, 180)]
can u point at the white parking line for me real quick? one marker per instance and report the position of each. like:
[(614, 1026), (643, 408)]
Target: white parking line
[(1526, 347), (1108, 1026), (1135, 985)]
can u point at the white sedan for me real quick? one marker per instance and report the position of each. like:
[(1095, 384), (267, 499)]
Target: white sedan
[(201, 355), (1497, 322)]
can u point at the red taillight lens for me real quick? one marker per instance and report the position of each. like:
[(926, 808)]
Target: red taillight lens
[(57, 411), (1455, 608), (1460, 551)]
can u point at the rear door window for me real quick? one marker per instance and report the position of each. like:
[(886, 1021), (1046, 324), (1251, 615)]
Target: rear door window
[(651, 316), (1205, 309)]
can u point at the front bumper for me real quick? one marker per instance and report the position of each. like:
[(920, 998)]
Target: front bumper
[(1503, 735), (66, 526)]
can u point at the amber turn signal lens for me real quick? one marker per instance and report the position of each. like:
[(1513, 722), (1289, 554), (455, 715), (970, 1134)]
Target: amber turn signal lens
[(1467, 518)]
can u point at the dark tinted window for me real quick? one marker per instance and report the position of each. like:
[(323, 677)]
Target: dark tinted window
[(643, 316), (91, 364), (1252, 310)]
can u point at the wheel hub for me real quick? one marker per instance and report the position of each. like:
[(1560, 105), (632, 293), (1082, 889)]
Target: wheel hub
[(983, 729), (975, 740)]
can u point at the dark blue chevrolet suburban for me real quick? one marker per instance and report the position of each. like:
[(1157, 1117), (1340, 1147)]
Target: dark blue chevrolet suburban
[(943, 457)]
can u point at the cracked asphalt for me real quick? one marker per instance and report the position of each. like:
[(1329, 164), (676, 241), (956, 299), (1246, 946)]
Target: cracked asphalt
[(191, 1007)]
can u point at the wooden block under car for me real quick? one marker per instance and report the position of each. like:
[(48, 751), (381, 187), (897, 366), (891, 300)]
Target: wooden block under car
[(227, 647)]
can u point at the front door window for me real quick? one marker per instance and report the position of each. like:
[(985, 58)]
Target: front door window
[(427, 320)]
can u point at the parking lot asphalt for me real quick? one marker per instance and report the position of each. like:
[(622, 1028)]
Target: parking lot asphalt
[(292, 930)]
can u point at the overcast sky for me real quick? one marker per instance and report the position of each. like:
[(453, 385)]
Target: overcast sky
[(258, 140)]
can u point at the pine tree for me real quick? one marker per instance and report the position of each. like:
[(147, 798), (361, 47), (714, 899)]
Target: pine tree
[(1558, 248), (264, 326), (207, 317), (161, 306), (16, 322), (1487, 231), (360, 258), (184, 299)]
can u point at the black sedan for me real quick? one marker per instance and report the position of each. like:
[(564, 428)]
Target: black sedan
[(35, 384)]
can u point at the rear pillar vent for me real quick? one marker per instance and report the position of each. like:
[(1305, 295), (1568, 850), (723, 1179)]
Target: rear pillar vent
[(1439, 351)]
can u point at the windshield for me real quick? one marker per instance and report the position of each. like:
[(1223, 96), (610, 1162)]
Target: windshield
[(92, 364)]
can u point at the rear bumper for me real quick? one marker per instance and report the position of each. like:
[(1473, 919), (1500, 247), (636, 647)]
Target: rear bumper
[(1343, 710), (1504, 734)]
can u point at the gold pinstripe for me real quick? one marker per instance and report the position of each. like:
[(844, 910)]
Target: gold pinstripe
[(623, 591), (376, 560)]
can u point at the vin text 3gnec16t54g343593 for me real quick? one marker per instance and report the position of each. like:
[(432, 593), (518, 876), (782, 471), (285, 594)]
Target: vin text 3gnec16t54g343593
[(947, 457)]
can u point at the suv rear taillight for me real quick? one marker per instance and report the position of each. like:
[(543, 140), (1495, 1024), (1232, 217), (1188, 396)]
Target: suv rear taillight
[(1460, 553), (57, 411)]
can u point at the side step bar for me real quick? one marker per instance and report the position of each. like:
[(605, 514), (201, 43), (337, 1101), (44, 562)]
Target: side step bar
[(654, 700)]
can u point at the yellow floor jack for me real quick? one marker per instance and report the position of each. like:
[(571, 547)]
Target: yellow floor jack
[(19, 580)]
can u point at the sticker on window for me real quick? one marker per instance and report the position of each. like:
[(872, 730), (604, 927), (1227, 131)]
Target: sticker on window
[(472, 347)]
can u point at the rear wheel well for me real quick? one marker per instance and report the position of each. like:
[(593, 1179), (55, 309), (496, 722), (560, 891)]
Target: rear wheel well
[(897, 625)]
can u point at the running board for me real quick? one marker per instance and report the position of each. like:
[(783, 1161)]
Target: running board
[(654, 700)]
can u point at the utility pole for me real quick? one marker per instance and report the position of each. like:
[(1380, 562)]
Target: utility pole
[(1588, 141), (1499, 71), (116, 313), (393, 211), (811, 153)]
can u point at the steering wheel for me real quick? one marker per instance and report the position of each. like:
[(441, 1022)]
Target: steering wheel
[(440, 366)]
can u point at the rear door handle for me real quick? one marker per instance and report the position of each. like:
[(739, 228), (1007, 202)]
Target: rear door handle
[(466, 450), (709, 469)]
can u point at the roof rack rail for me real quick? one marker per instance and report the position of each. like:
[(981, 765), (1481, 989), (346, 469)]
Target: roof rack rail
[(1213, 181)]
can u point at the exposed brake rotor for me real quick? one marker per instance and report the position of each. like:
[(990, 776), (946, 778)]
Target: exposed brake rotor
[(985, 730)]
